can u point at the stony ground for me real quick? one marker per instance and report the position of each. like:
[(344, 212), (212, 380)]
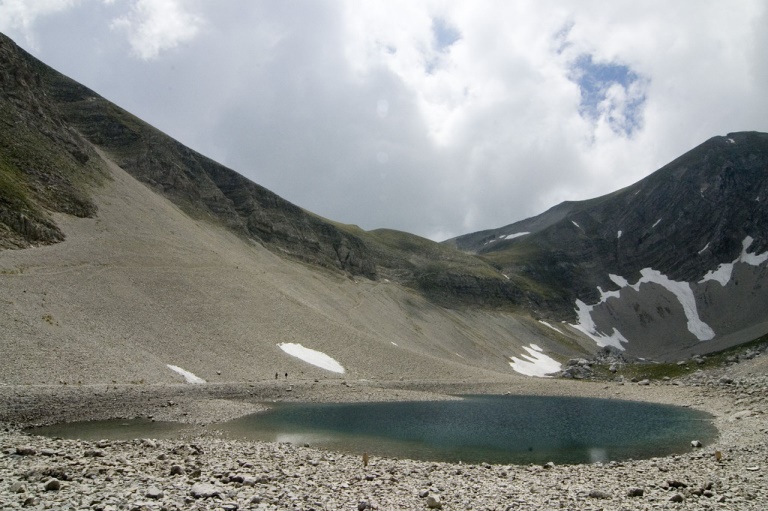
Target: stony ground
[(203, 471)]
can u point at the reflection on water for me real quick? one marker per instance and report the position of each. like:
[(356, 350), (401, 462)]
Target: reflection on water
[(493, 429), (114, 429), (597, 454)]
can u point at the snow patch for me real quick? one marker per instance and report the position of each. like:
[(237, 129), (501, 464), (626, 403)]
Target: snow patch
[(513, 236), (535, 363), (681, 290), (604, 295), (753, 259), (724, 271), (656, 223), (730, 140), (574, 223), (310, 356), (587, 325), (189, 377), (722, 274), (393, 343), (618, 280), (618, 234), (550, 326), (684, 294)]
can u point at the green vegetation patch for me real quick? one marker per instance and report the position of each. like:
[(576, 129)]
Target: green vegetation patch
[(672, 370), (13, 191)]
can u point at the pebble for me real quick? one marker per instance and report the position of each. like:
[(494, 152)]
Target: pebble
[(434, 502), (53, 485), (154, 493)]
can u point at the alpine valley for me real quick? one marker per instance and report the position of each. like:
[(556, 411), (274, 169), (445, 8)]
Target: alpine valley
[(124, 255)]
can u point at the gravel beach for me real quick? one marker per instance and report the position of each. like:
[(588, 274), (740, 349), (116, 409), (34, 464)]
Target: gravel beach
[(200, 470)]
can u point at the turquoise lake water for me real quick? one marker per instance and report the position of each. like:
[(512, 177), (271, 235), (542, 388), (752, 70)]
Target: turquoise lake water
[(492, 429)]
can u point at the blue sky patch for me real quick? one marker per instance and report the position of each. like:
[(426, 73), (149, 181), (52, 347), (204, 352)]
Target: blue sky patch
[(444, 34), (595, 80)]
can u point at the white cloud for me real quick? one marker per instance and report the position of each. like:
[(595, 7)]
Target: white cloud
[(21, 14), (156, 25), (435, 117)]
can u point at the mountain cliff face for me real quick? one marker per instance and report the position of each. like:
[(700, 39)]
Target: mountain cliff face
[(44, 164), (690, 239)]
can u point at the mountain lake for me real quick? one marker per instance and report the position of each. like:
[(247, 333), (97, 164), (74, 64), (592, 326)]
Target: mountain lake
[(475, 429)]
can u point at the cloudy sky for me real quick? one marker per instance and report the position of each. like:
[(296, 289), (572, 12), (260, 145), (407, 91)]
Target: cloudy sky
[(434, 117)]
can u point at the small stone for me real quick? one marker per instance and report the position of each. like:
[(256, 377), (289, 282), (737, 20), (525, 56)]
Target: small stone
[(363, 505), (18, 487), (549, 464), (423, 494), (177, 470), (25, 450), (155, 493), (598, 494), (204, 490), (676, 484), (434, 502), (644, 382), (695, 443), (30, 501), (230, 506), (53, 485), (677, 497), (635, 492)]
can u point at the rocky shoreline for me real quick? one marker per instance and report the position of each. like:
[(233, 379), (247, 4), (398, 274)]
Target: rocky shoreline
[(203, 471)]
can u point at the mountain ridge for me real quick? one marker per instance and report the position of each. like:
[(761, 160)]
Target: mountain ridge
[(628, 269)]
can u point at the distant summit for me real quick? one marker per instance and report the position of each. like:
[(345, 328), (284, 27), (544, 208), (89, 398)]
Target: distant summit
[(647, 264)]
